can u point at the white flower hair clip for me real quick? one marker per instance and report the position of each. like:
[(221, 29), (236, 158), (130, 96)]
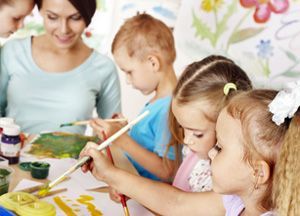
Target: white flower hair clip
[(286, 102)]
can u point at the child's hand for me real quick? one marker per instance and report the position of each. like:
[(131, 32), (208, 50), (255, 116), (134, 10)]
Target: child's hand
[(99, 165), (114, 195), (120, 116), (100, 127)]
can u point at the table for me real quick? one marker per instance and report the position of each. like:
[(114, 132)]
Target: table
[(120, 160), (104, 203)]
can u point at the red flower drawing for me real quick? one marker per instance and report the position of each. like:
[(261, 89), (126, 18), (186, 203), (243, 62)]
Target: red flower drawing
[(263, 8)]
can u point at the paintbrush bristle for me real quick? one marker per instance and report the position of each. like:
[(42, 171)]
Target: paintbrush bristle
[(66, 125)]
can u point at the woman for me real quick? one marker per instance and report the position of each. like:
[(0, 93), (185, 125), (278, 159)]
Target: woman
[(56, 78)]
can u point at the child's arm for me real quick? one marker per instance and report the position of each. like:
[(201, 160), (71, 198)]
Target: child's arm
[(159, 197), (149, 160)]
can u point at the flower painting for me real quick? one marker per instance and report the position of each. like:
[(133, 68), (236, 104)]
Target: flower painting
[(262, 36)]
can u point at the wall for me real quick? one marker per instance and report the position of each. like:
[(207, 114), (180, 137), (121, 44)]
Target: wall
[(263, 38)]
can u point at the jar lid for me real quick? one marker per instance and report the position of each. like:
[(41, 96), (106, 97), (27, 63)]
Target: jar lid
[(6, 121), (11, 130), (25, 166)]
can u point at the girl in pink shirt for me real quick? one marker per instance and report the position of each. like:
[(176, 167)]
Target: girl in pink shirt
[(243, 163), (204, 89)]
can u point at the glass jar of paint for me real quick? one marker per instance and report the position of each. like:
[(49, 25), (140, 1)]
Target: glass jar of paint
[(5, 175), (5, 121), (11, 143), (39, 170)]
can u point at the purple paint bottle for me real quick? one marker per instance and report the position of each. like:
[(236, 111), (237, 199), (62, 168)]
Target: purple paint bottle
[(11, 143)]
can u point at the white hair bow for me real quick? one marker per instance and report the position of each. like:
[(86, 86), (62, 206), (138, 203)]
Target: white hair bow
[(286, 102)]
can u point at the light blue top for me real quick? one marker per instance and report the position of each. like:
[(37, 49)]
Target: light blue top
[(153, 132), (41, 101)]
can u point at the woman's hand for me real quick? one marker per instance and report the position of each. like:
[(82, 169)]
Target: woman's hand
[(99, 165)]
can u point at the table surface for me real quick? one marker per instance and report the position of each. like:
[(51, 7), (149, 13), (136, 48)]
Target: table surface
[(120, 161)]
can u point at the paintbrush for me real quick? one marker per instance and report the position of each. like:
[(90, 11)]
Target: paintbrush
[(87, 122), (85, 159), (37, 187), (45, 195), (50, 193), (123, 198)]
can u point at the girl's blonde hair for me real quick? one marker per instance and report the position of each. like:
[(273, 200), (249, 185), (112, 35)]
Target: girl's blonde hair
[(5, 2), (205, 80), (286, 184), (263, 139)]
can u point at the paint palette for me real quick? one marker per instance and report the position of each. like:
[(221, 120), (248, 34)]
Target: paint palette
[(59, 145), (26, 204)]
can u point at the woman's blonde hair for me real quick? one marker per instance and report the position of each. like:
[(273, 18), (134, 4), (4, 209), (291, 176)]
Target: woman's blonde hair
[(205, 80)]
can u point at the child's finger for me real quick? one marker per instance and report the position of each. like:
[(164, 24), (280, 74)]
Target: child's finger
[(84, 152), (119, 116), (114, 195), (101, 122)]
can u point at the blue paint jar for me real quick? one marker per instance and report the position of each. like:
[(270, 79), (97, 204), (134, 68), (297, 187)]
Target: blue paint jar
[(11, 144)]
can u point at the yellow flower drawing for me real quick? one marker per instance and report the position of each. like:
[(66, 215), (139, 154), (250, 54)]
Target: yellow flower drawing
[(209, 5)]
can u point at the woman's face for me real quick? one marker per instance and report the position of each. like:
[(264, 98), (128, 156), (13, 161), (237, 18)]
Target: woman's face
[(63, 23), (199, 132)]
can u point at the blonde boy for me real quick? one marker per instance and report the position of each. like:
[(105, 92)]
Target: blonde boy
[(144, 50)]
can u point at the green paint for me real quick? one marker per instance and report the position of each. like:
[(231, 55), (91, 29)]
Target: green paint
[(4, 181), (59, 145), (39, 170)]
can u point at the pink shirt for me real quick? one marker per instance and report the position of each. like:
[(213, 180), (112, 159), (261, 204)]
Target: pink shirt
[(194, 174)]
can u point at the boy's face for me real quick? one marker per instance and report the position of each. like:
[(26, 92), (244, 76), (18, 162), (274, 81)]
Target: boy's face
[(64, 25), (139, 74), (12, 16), (231, 174), (199, 132)]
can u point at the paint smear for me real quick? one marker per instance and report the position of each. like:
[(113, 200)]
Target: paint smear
[(63, 206), (84, 199)]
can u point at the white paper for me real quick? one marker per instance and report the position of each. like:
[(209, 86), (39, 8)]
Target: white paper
[(60, 166), (101, 201)]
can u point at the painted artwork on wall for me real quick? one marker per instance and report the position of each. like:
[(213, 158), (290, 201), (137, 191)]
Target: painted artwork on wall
[(263, 37)]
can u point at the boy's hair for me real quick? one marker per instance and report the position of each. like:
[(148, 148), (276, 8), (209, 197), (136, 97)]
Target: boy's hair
[(205, 80), (86, 8), (143, 35), (5, 2), (263, 139)]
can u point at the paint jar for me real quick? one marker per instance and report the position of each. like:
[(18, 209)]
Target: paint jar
[(5, 175), (11, 143), (39, 170), (5, 121)]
